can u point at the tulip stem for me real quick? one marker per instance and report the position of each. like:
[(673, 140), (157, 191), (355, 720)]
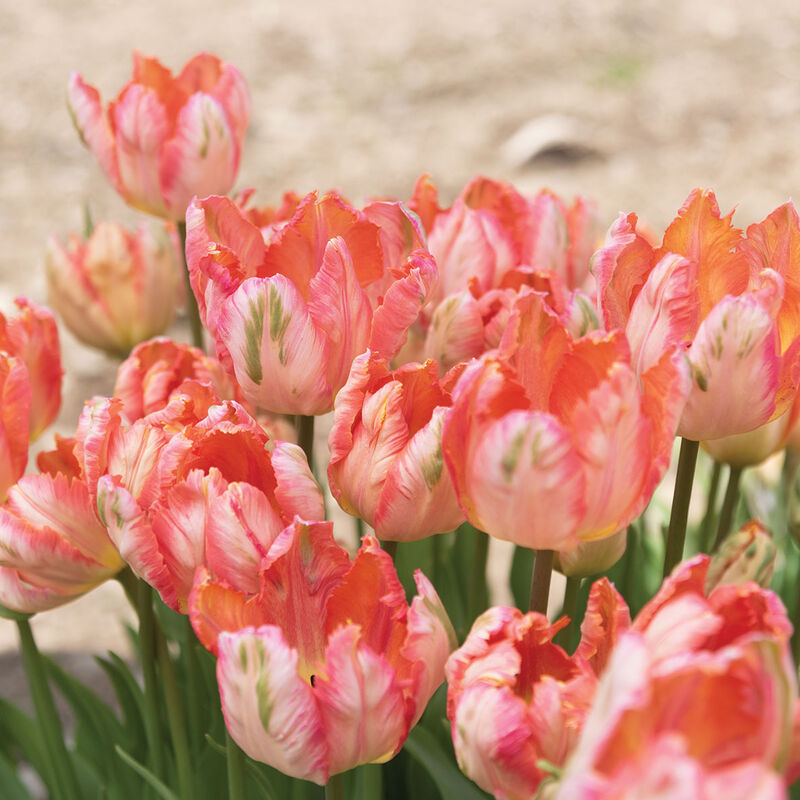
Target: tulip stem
[(65, 783), (236, 765), (334, 788), (676, 535), (152, 700), (540, 580), (192, 683), (191, 301), (566, 636), (305, 437), (478, 597), (729, 505), (711, 508), (177, 721)]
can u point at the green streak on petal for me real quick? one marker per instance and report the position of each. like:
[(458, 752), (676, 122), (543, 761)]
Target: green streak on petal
[(243, 656), (511, 456), (264, 701), (253, 331), (432, 468), (701, 381), (278, 321)]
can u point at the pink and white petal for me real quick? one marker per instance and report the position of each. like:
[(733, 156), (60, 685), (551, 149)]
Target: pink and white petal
[(361, 703), (607, 618), (401, 231), (98, 425), (736, 364), (527, 482), (339, 307), (201, 157), (402, 304), (269, 710), (142, 128), (87, 114), (280, 356), (23, 597), (665, 312), (241, 526), (456, 330), (130, 530), (418, 497), (65, 507), (494, 742), (15, 406), (429, 641), (297, 492), (546, 245)]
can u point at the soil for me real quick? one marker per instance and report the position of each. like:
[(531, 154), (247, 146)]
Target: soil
[(631, 103)]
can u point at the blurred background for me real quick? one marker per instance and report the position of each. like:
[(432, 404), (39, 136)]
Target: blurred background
[(632, 103)]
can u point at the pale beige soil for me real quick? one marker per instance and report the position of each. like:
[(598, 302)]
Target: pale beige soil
[(658, 98)]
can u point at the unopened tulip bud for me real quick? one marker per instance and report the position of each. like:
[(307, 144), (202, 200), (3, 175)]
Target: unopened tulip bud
[(746, 555), (117, 288), (593, 557)]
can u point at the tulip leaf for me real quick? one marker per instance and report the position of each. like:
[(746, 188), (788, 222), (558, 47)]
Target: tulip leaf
[(161, 789), (263, 782), (129, 695), (11, 788), (25, 734), (452, 784)]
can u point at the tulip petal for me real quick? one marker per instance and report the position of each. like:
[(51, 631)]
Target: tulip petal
[(607, 618), (361, 704), (456, 330), (269, 710), (280, 357), (15, 394)]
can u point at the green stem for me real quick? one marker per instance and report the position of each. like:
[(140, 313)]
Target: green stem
[(177, 721), (566, 636), (191, 301), (369, 779), (676, 535), (130, 585), (334, 788), (305, 437), (236, 765), (711, 508), (729, 504), (478, 596), (65, 782), (540, 580), (192, 685), (152, 695)]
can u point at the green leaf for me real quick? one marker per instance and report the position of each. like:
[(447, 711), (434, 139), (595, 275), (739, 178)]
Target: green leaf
[(267, 789), (130, 698), (521, 572), (24, 732), (161, 789), (11, 788), (449, 780)]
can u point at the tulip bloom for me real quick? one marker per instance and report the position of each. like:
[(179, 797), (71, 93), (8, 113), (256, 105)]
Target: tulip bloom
[(724, 654), (155, 369), (731, 301), (175, 500), (327, 666), (554, 441), (117, 288), (53, 547), (289, 316), (15, 406), (165, 139), (386, 462), (515, 699)]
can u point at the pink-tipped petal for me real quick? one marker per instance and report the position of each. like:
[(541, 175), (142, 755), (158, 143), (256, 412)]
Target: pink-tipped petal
[(297, 490)]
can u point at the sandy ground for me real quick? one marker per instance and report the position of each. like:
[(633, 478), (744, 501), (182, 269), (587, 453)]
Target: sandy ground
[(634, 103)]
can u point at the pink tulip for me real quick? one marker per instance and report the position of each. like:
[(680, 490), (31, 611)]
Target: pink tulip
[(165, 139), (53, 547), (117, 288), (386, 462), (731, 301), (216, 492), (289, 316), (327, 666), (15, 408), (515, 700), (553, 441)]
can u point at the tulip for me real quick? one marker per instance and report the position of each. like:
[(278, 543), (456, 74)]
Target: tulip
[(15, 405), (53, 547), (553, 441), (216, 492), (327, 666), (117, 288), (289, 316), (514, 700), (592, 557), (386, 462), (157, 368), (745, 555), (698, 693), (729, 300), (32, 337), (165, 139)]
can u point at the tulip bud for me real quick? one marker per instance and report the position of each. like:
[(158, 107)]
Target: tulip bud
[(117, 288), (593, 557), (746, 555)]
